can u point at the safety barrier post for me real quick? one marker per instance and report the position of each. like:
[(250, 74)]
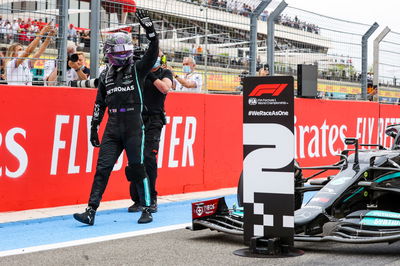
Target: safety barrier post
[(253, 34), (364, 58), (377, 40), (62, 27), (94, 38), (271, 35)]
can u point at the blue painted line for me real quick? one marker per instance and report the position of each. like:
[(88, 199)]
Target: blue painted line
[(29, 233), (58, 229)]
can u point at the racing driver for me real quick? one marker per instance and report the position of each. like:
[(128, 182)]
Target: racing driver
[(120, 90)]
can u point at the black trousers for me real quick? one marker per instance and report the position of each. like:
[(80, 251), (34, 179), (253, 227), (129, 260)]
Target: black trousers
[(124, 131), (153, 126)]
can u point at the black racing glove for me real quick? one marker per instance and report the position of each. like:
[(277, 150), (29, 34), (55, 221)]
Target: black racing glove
[(147, 24), (94, 136)]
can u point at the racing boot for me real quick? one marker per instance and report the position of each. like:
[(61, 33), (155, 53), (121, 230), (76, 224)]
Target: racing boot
[(86, 217), (146, 216), (153, 207), (135, 207)]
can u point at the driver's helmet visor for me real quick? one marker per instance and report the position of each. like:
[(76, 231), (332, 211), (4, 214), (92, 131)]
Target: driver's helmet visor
[(121, 48)]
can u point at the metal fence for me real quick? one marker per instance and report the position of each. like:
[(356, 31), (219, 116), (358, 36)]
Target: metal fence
[(389, 68), (21, 25), (217, 35)]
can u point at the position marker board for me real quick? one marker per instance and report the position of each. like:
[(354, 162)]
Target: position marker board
[(268, 164)]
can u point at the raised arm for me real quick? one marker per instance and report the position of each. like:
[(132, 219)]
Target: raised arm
[(32, 46), (149, 58)]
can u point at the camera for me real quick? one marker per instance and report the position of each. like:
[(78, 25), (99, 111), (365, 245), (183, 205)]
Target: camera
[(73, 58), (90, 83)]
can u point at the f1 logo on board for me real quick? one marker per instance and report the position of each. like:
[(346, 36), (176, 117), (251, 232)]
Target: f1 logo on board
[(274, 89)]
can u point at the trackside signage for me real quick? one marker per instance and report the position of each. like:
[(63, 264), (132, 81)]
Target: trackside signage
[(268, 152)]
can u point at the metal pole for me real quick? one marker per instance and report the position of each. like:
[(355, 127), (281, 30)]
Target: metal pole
[(62, 52), (206, 51), (94, 38), (271, 34), (364, 59), (377, 40), (253, 34)]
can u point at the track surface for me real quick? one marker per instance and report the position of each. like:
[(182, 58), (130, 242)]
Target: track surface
[(183, 247), (175, 247)]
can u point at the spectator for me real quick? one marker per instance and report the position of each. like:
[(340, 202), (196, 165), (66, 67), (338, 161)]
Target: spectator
[(373, 94), (50, 72), (82, 62), (191, 81), (71, 33), (14, 30), (18, 70), (193, 50), (3, 52), (85, 38), (264, 15), (263, 70), (7, 29), (199, 53)]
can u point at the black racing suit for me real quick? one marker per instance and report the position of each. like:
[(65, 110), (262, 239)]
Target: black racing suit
[(120, 90), (154, 120)]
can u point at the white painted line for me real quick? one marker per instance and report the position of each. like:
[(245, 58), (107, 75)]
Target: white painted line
[(6, 217), (92, 240)]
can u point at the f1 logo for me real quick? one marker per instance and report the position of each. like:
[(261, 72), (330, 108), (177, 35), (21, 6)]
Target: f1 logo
[(274, 89)]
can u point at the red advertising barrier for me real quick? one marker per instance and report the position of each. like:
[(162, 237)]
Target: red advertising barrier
[(46, 159)]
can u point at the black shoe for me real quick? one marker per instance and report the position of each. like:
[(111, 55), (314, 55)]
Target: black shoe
[(146, 216), (86, 217), (135, 208), (153, 207)]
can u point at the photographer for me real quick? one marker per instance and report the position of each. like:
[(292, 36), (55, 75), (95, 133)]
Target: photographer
[(76, 69)]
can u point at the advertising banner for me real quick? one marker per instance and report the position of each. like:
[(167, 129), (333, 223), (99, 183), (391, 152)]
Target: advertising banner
[(46, 159), (268, 152)]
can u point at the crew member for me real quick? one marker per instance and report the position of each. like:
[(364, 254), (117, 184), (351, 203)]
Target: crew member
[(157, 85), (120, 90)]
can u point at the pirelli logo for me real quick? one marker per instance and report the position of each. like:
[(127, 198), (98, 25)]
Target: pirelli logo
[(274, 89)]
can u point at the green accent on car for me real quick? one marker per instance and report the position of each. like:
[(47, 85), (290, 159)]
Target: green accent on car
[(387, 177), (383, 214), (355, 193), (379, 222)]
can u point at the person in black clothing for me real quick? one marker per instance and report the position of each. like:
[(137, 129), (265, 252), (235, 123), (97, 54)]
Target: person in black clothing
[(120, 90), (157, 85)]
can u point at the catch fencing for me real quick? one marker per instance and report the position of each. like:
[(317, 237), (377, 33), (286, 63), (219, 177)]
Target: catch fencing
[(389, 68), (217, 35)]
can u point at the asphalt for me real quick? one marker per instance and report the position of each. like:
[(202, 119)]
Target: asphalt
[(132, 244), (184, 247)]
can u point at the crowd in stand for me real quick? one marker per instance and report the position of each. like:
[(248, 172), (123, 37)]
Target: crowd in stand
[(298, 24), (241, 8), (19, 30), (24, 32)]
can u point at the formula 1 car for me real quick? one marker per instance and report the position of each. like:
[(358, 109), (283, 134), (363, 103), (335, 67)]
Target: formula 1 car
[(359, 204)]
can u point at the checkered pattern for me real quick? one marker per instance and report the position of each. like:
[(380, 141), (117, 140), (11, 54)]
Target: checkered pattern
[(271, 215)]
